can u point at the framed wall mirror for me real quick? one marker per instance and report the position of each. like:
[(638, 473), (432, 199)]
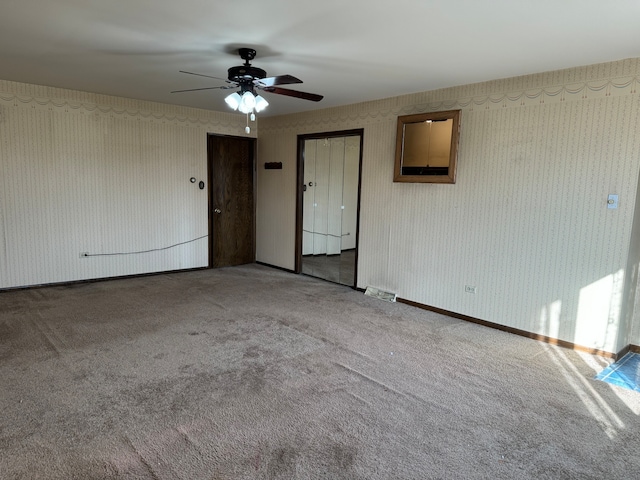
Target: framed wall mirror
[(427, 147)]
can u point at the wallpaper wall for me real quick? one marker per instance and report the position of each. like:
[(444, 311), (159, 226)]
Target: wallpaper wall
[(527, 222), (109, 177)]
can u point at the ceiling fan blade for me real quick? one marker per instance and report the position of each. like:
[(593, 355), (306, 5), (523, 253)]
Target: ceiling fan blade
[(314, 97), (223, 87), (208, 76), (279, 80)]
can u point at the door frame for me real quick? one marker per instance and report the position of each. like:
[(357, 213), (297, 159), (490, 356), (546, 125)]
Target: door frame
[(357, 132), (210, 180)]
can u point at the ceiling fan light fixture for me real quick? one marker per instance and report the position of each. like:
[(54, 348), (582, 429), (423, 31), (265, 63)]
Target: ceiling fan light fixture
[(261, 103), (233, 100), (247, 102), (247, 79)]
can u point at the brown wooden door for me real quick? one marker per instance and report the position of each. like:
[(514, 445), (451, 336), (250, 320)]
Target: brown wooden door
[(231, 205)]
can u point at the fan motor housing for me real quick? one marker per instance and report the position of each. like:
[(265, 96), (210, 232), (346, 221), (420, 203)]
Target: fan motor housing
[(245, 73)]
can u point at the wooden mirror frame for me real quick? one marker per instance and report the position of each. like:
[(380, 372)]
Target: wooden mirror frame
[(450, 176)]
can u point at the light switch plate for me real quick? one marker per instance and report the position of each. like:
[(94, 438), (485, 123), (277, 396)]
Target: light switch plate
[(612, 201)]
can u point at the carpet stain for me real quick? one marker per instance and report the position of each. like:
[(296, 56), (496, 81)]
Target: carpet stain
[(344, 455), (286, 461), (253, 352), (282, 462)]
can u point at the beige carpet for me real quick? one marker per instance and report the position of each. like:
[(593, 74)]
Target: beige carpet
[(254, 373)]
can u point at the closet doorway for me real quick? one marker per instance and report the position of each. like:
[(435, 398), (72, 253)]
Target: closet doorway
[(329, 166)]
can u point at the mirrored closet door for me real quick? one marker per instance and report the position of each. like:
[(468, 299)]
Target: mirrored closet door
[(330, 207)]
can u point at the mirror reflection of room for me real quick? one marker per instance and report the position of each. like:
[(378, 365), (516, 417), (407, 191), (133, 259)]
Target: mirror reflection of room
[(426, 147), (330, 202)]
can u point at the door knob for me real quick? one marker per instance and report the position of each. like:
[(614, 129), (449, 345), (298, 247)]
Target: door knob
[(217, 210)]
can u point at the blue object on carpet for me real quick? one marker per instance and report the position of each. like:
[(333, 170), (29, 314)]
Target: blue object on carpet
[(623, 373)]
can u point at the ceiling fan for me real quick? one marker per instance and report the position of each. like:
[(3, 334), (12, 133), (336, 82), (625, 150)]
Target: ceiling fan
[(248, 79)]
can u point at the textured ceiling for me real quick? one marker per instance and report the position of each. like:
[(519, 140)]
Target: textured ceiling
[(348, 51)]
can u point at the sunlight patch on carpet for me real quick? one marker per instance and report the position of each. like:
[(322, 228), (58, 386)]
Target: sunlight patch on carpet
[(623, 373)]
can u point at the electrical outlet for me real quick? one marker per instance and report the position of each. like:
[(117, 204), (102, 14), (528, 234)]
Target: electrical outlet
[(470, 289), (84, 254)]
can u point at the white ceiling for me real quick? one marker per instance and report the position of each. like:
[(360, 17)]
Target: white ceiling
[(347, 50)]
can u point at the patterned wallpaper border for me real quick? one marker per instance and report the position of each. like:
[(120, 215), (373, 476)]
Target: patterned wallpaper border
[(607, 85), (134, 111), (543, 95), (459, 98)]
